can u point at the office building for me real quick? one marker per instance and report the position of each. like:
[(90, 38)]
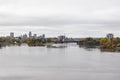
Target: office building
[(11, 35), (30, 34), (110, 36)]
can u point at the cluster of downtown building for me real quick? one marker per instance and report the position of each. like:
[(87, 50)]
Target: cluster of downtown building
[(24, 36), (60, 37), (43, 37)]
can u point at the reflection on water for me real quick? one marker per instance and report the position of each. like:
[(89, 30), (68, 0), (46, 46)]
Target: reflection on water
[(71, 63)]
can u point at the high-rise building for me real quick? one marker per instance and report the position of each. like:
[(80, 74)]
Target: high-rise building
[(11, 35), (24, 36), (110, 36), (30, 34), (43, 36), (35, 36)]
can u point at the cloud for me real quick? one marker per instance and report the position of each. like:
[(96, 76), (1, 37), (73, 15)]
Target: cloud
[(73, 17)]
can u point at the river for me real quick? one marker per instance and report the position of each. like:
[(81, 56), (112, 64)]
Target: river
[(71, 63)]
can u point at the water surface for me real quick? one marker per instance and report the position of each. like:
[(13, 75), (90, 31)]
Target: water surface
[(71, 63)]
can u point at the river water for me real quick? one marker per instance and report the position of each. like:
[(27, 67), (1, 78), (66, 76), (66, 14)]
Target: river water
[(71, 63)]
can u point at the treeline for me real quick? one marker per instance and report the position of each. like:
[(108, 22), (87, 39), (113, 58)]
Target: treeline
[(35, 42), (9, 41), (109, 43), (103, 43), (18, 41), (89, 42)]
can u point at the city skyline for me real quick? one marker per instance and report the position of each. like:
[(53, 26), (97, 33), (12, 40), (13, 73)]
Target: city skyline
[(75, 18), (30, 34)]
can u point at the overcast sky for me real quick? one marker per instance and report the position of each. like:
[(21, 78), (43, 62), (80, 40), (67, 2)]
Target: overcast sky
[(74, 18)]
